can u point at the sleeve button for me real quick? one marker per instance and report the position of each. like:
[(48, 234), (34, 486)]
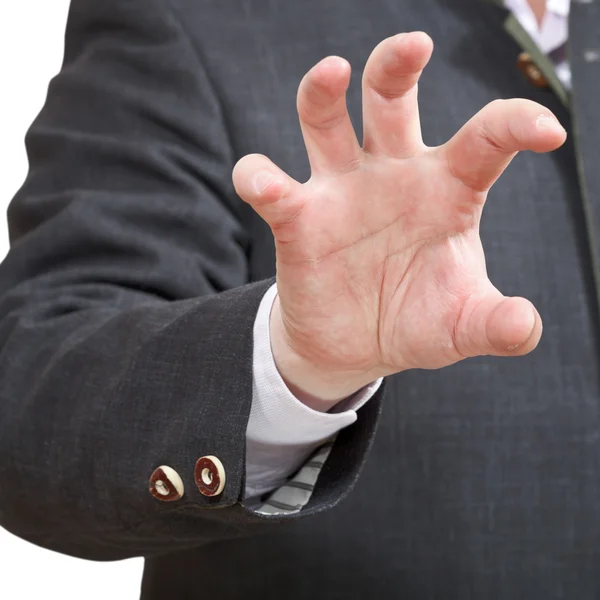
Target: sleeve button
[(209, 475), (166, 484)]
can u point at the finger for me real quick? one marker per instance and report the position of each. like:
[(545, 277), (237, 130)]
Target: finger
[(328, 133), (499, 326), (273, 194), (390, 105), (480, 152)]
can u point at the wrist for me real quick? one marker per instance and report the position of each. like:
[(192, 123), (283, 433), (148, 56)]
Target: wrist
[(314, 385)]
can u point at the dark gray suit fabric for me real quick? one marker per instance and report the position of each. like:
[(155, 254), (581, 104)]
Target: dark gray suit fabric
[(126, 312), (120, 352)]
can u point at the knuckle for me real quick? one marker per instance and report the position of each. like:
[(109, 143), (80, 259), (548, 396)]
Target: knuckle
[(321, 116), (490, 137), (390, 91)]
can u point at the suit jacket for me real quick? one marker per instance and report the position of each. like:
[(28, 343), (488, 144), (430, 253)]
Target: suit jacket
[(128, 297)]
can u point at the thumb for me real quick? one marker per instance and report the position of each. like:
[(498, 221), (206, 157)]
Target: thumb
[(498, 326), (273, 194)]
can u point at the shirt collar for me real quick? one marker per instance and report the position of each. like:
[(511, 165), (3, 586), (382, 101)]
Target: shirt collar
[(559, 7)]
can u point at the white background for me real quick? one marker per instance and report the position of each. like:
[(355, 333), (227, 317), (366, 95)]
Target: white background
[(31, 47)]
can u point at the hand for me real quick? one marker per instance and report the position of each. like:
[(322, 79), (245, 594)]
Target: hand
[(380, 266)]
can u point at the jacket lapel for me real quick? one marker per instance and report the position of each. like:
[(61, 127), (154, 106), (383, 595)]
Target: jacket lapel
[(584, 57), (544, 64)]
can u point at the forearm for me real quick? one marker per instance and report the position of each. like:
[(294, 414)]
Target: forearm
[(283, 430), (319, 389)]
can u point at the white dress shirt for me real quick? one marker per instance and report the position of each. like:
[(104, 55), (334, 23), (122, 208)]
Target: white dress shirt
[(552, 33), (282, 432)]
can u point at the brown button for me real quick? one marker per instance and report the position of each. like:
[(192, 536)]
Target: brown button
[(210, 475), (531, 70), (165, 484)]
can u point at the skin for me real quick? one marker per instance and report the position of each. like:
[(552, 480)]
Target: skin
[(539, 9), (380, 266)]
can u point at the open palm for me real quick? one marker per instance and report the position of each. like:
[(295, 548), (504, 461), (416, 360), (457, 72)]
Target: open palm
[(380, 266)]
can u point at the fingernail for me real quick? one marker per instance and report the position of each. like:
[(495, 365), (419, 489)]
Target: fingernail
[(262, 180), (544, 122), (511, 348)]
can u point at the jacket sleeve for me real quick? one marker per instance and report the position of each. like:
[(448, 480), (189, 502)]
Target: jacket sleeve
[(121, 348), (126, 319)]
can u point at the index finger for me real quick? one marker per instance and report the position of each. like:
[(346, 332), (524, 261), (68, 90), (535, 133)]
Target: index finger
[(480, 152)]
